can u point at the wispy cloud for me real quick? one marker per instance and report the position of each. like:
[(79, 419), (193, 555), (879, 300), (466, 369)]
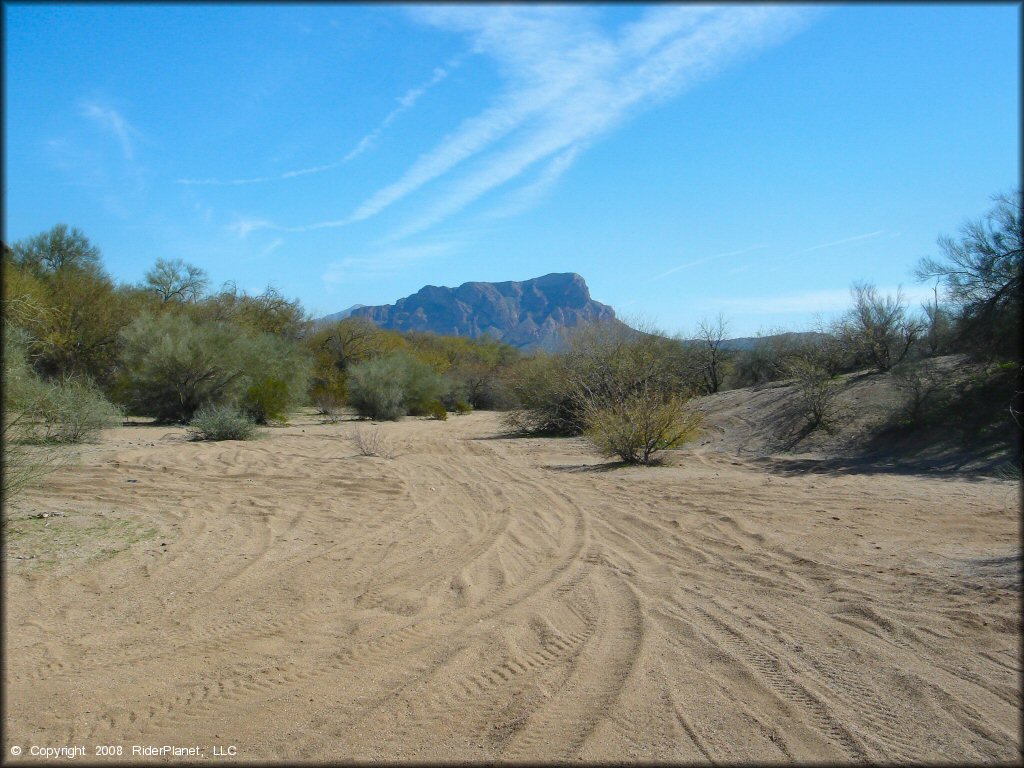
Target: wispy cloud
[(706, 259), (567, 82), (829, 300), (271, 246), (405, 103), (243, 226), (114, 122), (526, 197), (844, 241), (384, 262)]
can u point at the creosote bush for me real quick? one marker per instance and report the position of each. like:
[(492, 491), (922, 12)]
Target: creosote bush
[(640, 425), (436, 410), (221, 422)]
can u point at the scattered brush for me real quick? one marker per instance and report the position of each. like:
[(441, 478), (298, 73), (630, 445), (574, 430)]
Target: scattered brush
[(436, 410), (372, 442), (221, 422)]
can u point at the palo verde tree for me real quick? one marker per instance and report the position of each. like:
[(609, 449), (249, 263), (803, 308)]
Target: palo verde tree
[(981, 272), (52, 251), (174, 280), (879, 327)]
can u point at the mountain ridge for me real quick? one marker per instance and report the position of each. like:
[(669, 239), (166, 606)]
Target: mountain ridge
[(524, 313)]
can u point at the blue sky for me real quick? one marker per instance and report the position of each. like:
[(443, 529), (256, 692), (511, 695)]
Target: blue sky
[(686, 160)]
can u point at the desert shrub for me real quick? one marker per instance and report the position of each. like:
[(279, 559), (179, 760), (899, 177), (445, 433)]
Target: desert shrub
[(174, 366), (338, 347), (375, 392), (545, 401), (603, 363), (326, 407), (72, 411), (221, 422), (879, 329), (982, 271), (23, 390), (769, 357), (918, 382), (462, 407), (422, 386), (436, 410), (640, 425), (390, 387), (816, 394), (371, 442), (269, 312), (266, 400), (713, 361)]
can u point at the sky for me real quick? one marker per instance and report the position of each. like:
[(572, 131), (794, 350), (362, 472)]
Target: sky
[(686, 160)]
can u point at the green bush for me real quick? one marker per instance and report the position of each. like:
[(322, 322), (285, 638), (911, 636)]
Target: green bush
[(388, 388), (266, 400), (462, 407), (221, 422), (640, 425), (73, 411), (375, 392), (174, 366), (816, 394), (545, 402), (22, 392), (603, 363), (436, 410)]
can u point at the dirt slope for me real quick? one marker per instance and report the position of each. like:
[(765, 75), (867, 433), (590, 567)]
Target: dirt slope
[(964, 425), (483, 598)]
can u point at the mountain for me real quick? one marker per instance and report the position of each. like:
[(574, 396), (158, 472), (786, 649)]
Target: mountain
[(744, 343), (527, 314), (335, 317)]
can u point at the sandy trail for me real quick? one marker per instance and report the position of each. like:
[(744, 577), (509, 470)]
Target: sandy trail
[(482, 598)]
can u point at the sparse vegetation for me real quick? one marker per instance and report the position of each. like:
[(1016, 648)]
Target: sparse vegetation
[(641, 425), (390, 387), (982, 274), (880, 329), (816, 394), (713, 362), (437, 411), (39, 413), (372, 442), (167, 348), (221, 422), (70, 411), (918, 381), (174, 366)]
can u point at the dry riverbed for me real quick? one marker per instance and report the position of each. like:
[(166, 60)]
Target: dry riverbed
[(479, 597)]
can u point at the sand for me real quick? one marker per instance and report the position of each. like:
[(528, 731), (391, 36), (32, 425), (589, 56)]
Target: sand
[(479, 597)]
